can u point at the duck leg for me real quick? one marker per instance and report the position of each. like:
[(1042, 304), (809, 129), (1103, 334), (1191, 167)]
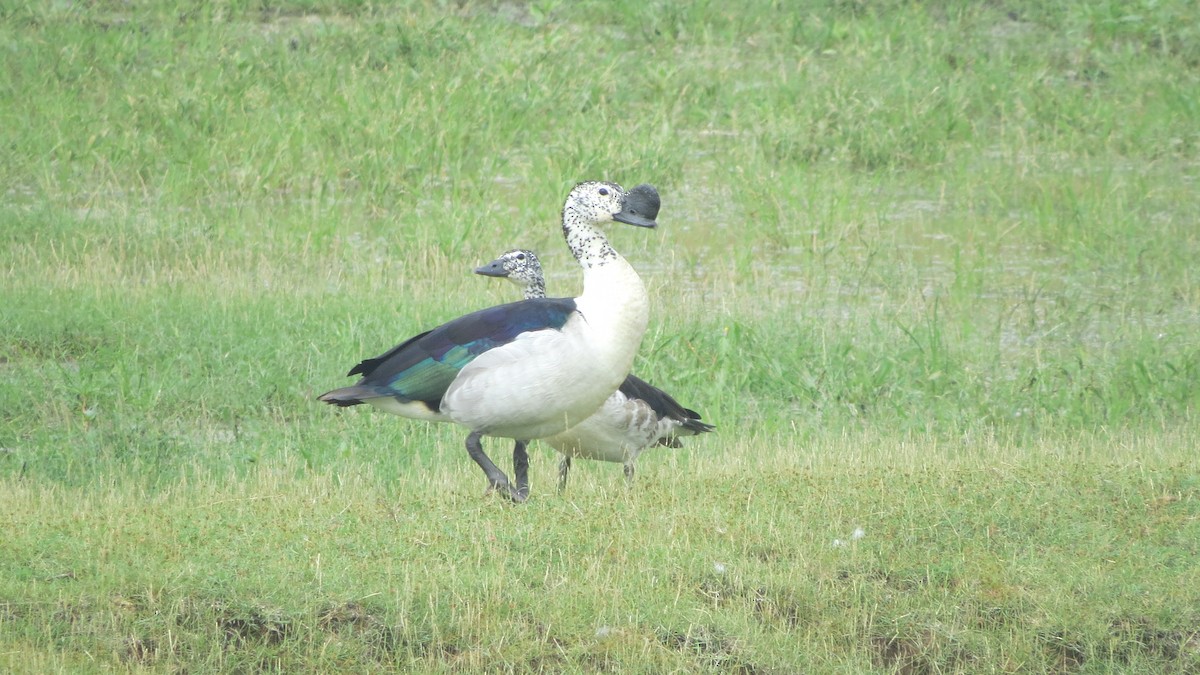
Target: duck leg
[(628, 474), (496, 478), (521, 468), (564, 468)]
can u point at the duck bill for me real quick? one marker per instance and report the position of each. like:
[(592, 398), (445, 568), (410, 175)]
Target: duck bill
[(492, 269), (640, 207), (633, 219)]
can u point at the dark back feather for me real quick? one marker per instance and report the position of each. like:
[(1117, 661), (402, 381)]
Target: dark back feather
[(422, 367), (663, 404)]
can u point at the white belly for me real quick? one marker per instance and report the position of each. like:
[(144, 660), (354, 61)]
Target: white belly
[(536, 386), (617, 432)]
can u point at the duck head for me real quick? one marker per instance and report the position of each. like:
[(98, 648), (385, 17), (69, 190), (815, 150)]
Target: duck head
[(520, 265), (602, 202)]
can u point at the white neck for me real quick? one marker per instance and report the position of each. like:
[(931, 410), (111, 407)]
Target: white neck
[(614, 302)]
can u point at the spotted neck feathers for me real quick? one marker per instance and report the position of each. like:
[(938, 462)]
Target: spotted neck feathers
[(587, 243)]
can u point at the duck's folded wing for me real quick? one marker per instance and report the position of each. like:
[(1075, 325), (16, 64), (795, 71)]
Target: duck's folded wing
[(422, 368), (664, 406)]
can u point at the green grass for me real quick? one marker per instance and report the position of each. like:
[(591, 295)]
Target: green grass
[(961, 565), (929, 268)]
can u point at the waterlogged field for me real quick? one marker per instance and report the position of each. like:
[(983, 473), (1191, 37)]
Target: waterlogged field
[(930, 269)]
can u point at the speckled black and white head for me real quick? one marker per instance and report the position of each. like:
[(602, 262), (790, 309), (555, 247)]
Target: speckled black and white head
[(595, 203), (520, 266)]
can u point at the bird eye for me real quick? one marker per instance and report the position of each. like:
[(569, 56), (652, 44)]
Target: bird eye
[(520, 256), (603, 192)]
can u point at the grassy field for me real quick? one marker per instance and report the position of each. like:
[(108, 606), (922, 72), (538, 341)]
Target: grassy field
[(929, 267)]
